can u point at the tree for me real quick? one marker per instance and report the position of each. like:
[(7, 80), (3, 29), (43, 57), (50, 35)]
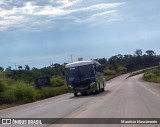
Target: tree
[(1, 69), (102, 61), (58, 69), (9, 68), (34, 68), (20, 67), (27, 67), (138, 52), (150, 53)]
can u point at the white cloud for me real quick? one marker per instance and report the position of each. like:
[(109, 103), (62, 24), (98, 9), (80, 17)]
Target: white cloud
[(101, 17), (27, 9), (99, 6), (48, 10), (104, 13), (51, 11), (68, 3), (17, 16), (12, 21)]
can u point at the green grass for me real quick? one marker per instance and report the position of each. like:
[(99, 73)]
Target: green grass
[(109, 77), (110, 74), (46, 92), (15, 92), (152, 75), (4, 106), (24, 92), (57, 81)]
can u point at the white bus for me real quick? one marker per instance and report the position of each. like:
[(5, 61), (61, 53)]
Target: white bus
[(84, 76)]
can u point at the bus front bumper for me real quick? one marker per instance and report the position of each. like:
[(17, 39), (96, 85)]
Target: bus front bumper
[(90, 88)]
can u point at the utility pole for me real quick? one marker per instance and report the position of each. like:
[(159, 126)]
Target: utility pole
[(15, 66), (71, 58)]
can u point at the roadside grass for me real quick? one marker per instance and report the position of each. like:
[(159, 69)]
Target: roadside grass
[(141, 71), (136, 73), (16, 92), (110, 74), (47, 92), (152, 75), (4, 106)]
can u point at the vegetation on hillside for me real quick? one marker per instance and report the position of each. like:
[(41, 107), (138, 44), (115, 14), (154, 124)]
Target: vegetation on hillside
[(18, 85), (22, 91), (120, 64), (152, 75)]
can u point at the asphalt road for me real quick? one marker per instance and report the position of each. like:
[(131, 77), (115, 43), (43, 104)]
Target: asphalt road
[(123, 98)]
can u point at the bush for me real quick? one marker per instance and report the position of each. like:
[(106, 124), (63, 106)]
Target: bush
[(152, 75), (156, 72), (61, 90), (108, 77), (57, 81), (109, 72), (2, 75), (158, 80), (148, 75), (121, 69), (46, 92), (19, 90), (2, 86), (8, 96), (24, 92)]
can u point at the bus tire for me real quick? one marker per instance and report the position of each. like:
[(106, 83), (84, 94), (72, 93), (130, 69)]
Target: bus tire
[(84, 93), (103, 87), (97, 91), (100, 90), (99, 87), (75, 94)]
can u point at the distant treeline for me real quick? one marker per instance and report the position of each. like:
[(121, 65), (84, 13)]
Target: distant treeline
[(129, 63), (29, 75), (117, 64), (18, 85)]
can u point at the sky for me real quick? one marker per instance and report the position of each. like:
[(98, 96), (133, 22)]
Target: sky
[(41, 32)]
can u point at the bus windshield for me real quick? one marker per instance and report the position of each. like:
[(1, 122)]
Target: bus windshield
[(80, 73)]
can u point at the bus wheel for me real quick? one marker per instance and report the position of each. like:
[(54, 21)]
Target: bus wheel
[(75, 94), (103, 87), (97, 91), (100, 89), (84, 93)]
